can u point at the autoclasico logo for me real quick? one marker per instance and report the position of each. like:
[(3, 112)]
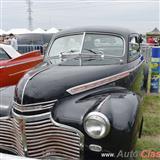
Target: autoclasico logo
[(146, 154), (150, 154)]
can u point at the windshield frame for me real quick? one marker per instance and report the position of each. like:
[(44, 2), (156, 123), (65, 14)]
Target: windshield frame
[(83, 38)]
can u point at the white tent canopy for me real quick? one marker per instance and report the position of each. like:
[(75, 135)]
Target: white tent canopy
[(25, 31), (18, 31), (2, 32), (38, 30), (52, 30)]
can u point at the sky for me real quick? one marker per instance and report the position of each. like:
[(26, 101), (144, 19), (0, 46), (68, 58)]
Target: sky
[(138, 15)]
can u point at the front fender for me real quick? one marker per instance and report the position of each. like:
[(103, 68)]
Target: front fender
[(124, 112), (6, 98), (122, 107)]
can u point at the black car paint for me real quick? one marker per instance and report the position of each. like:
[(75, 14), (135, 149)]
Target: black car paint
[(121, 109), (6, 98), (64, 78), (48, 82)]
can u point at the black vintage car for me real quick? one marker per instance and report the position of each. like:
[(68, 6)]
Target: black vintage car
[(82, 102)]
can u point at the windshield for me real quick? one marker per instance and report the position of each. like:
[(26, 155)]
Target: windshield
[(3, 55), (87, 49), (66, 44)]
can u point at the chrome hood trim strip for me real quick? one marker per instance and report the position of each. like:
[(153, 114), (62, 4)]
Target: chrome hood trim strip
[(101, 82), (29, 78)]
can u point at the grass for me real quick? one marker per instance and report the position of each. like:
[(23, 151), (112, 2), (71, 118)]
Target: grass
[(150, 139)]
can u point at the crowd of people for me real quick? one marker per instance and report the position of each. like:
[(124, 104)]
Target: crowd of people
[(9, 40)]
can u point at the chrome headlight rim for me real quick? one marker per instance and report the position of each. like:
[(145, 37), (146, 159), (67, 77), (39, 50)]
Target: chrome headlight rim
[(94, 116)]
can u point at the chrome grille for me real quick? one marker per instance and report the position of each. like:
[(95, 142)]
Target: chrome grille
[(39, 136), (10, 137), (34, 107)]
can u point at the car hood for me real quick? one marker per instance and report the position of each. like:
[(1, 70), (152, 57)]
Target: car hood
[(51, 82)]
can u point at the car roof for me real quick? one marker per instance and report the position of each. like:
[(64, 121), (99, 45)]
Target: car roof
[(114, 30), (10, 51)]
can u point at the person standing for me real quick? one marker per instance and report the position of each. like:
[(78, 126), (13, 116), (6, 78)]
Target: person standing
[(150, 40), (13, 42)]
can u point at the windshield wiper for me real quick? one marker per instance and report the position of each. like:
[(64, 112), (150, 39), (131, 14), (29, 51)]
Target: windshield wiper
[(69, 51), (90, 50), (62, 54), (100, 53)]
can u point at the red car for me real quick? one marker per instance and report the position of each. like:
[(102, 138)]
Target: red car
[(13, 65)]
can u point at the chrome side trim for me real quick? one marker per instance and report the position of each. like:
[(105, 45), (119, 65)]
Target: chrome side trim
[(2, 67), (12, 65), (101, 82), (23, 71)]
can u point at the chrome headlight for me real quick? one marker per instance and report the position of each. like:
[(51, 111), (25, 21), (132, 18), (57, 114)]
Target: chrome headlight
[(96, 125)]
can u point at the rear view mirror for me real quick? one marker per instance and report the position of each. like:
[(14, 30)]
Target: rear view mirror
[(45, 46), (140, 39)]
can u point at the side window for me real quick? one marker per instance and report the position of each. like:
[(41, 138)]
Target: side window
[(3, 55), (133, 48)]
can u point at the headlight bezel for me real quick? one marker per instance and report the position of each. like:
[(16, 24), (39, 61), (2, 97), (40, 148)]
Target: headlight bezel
[(101, 118)]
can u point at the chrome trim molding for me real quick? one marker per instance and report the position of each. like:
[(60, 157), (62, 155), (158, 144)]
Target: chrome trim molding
[(29, 78), (23, 71), (73, 129), (103, 102), (40, 136), (96, 115), (84, 33), (82, 48), (24, 89), (95, 148), (4, 118), (34, 107), (2, 67), (12, 65), (101, 82)]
